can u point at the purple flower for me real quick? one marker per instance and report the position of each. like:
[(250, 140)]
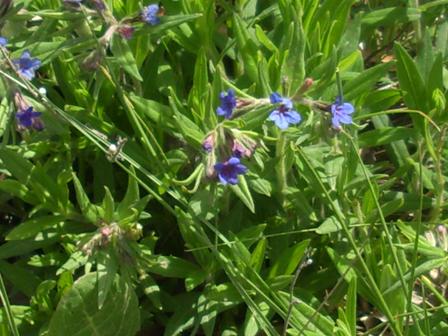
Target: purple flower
[(229, 170), (228, 103), (341, 113), (3, 41), (27, 118), (285, 113), (26, 65), (150, 14)]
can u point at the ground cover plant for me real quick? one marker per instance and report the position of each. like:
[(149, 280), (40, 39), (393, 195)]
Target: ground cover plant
[(213, 167)]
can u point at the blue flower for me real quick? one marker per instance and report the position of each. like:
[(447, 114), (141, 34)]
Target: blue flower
[(27, 65), (341, 113), (150, 14), (3, 41), (228, 103), (285, 113), (229, 170), (28, 118)]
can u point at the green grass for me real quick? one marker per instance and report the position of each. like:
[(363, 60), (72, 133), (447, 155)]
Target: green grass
[(115, 223)]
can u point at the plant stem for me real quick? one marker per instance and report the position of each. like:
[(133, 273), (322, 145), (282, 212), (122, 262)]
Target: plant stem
[(417, 235), (281, 168), (291, 294), (7, 306), (343, 221)]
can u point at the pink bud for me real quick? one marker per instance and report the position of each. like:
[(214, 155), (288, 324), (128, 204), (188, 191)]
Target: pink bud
[(126, 31)]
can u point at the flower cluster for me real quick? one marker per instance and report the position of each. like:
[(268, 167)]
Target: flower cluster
[(233, 146), (243, 146), (3, 41)]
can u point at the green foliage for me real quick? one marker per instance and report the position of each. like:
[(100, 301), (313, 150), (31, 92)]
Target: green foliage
[(114, 221)]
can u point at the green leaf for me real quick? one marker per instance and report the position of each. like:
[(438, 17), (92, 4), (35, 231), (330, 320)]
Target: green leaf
[(288, 260), (247, 47), (331, 224), (77, 312), (153, 110), (16, 189), (303, 314), (410, 78), (90, 211), (391, 15), (19, 167), (30, 228), (106, 271), (108, 206), (124, 56), (171, 267), (422, 268), (248, 236), (151, 290), (5, 114), (22, 278), (166, 23), (242, 191), (260, 186), (132, 195), (350, 310), (386, 135), (294, 64), (362, 83), (185, 125), (258, 255), (76, 260)]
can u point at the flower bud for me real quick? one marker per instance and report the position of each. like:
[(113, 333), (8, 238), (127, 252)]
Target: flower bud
[(209, 142), (126, 31), (93, 60)]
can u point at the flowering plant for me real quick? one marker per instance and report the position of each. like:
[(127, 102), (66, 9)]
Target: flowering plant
[(223, 167)]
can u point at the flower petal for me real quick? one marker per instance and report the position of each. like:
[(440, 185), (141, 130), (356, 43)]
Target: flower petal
[(222, 179), (348, 108), (233, 179), (27, 73), (220, 111), (275, 98), (345, 119), (281, 122), (335, 122), (293, 117), (219, 166), (35, 63), (241, 169), (233, 160), (274, 115), (26, 54), (287, 103)]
